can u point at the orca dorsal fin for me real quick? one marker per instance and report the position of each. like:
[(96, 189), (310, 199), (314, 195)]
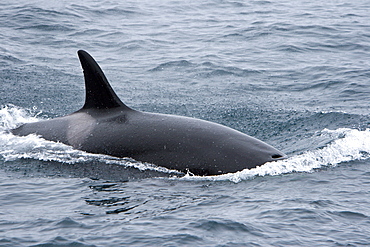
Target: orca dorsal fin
[(99, 93)]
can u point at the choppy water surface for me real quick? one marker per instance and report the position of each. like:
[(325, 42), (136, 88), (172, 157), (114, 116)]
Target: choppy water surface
[(292, 73)]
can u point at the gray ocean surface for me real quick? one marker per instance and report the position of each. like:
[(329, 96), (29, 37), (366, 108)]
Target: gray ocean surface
[(294, 74)]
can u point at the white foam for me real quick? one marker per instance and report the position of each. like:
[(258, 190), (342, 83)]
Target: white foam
[(12, 116), (33, 147), (347, 145)]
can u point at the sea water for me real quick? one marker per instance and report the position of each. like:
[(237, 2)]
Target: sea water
[(294, 74)]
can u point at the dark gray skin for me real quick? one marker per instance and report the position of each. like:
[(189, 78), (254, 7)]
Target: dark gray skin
[(107, 126)]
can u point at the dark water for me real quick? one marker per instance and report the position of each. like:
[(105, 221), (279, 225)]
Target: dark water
[(292, 73)]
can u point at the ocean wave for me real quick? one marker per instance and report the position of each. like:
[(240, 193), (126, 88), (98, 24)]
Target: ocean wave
[(29, 16), (173, 64), (344, 145), (205, 69), (33, 147), (347, 145)]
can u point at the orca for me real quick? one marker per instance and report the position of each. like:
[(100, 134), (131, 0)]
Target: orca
[(105, 125)]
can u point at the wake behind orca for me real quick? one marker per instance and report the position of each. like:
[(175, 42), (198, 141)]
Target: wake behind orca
[(105, 125)]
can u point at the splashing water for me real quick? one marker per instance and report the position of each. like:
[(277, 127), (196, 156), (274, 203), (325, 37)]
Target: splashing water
[(346, 145), (12, 116), (33, 147)]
